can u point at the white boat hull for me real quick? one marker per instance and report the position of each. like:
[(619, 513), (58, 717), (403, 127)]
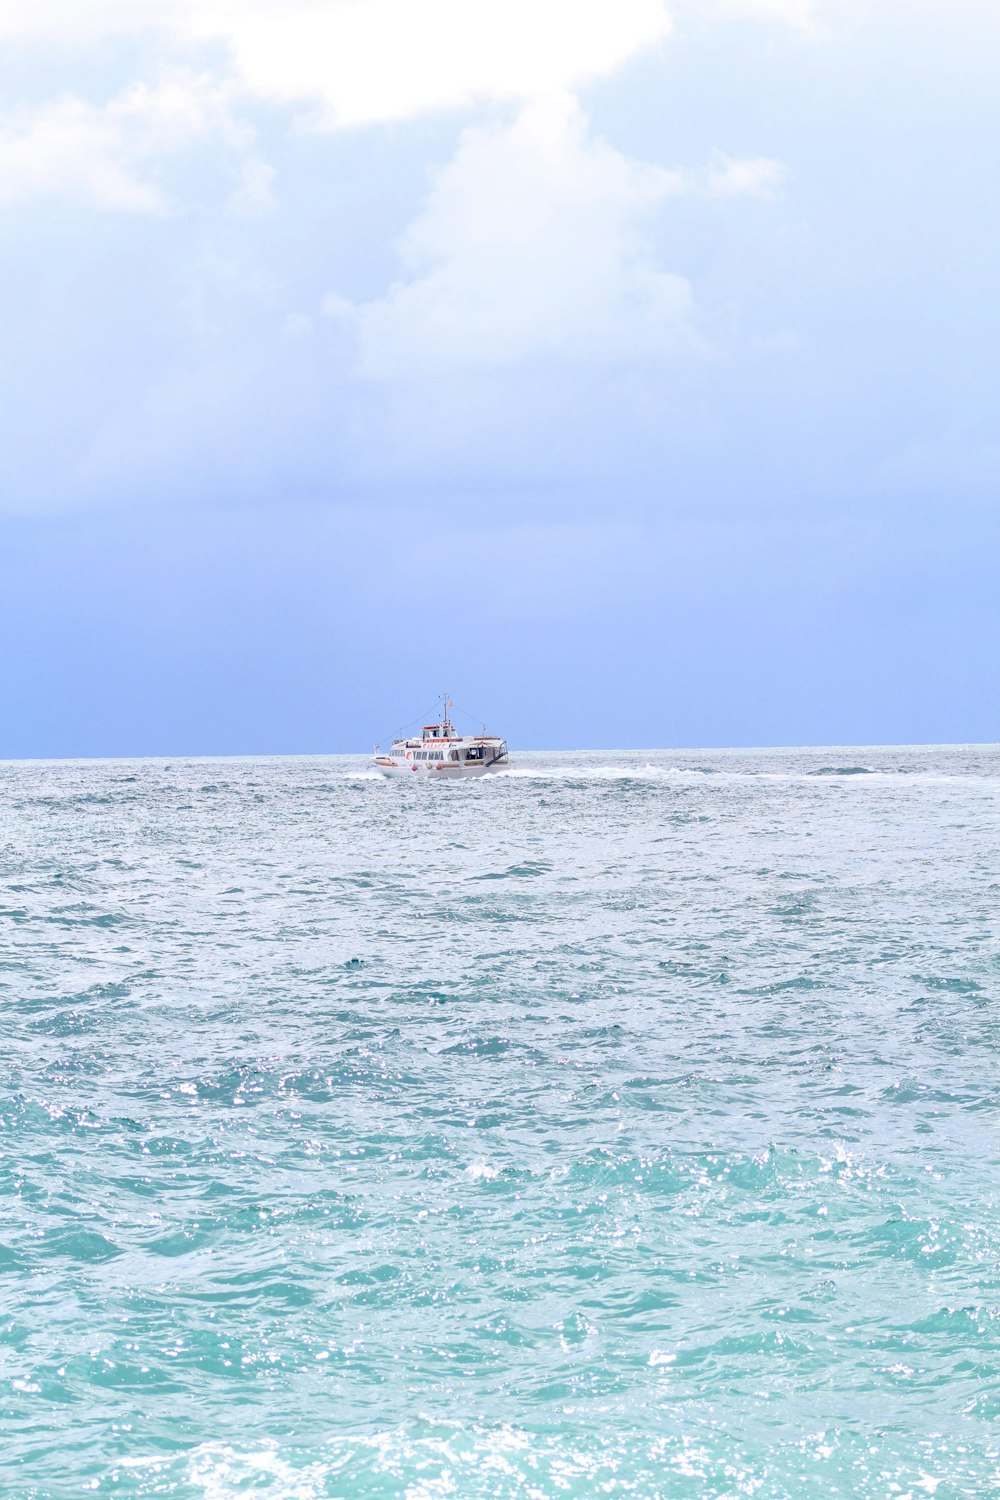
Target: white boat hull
[(441, 770)]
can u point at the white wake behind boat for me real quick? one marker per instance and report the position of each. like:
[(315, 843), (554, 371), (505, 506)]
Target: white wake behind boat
[(440, 751)]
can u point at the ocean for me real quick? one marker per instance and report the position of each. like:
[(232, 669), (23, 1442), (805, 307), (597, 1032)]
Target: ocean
[(624, 1125)]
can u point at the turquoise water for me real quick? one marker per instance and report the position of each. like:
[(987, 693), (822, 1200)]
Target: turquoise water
[(626, 1125)]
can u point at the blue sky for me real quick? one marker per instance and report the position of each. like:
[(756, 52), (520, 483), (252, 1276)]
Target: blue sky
[(629, 370)]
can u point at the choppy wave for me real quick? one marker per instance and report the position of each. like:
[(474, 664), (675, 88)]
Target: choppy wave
[(621, 1125)]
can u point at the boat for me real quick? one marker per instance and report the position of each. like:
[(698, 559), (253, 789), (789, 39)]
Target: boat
[(441, 752)]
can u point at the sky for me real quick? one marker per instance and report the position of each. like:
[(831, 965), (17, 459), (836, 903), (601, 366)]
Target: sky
[(628, 370)]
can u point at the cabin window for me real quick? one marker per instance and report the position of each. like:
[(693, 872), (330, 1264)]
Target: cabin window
[(453, 755)]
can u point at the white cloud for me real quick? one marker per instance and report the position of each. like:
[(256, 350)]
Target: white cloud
[(369, 61), (530, 244), (347, 62), (110, 154), (380, 60), (534, 242)]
